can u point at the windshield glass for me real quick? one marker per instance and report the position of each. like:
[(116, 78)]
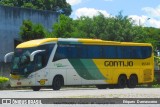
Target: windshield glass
[(21, 63)]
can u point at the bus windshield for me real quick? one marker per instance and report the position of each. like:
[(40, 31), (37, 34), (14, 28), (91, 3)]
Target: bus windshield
[(21, 63)]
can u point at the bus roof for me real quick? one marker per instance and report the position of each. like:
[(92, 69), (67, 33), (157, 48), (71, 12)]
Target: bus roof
[(38, 42)]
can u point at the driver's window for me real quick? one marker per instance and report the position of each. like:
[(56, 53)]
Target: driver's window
[(39, 62)]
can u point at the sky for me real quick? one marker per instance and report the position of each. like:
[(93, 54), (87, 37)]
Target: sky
[(143, 12)]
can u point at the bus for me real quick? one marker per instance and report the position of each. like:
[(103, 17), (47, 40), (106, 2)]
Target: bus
[(57, 62)]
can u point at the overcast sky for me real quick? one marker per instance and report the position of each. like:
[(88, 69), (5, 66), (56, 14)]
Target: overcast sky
[(144, 12)]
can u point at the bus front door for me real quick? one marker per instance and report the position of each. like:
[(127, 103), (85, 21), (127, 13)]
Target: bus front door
[(40, 70)]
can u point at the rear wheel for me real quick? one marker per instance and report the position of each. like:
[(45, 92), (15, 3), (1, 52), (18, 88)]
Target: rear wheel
[(101, 86), (132, 82), (112, 86), (122, 80), (36, 88), (57, 83)]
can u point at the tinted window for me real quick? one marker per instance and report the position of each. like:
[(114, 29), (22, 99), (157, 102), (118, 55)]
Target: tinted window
[(72, 51), (146, 52), (94, 52), (136, 52), (61, 52), (77, 51), (83, 51), (109, 52)]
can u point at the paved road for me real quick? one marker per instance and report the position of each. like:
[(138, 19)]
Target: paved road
[(83, 93)]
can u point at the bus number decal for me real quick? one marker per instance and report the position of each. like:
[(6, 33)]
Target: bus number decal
[(145, 63)]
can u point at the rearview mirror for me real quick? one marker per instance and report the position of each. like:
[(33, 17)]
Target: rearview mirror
[(7, 55), (34, 53)]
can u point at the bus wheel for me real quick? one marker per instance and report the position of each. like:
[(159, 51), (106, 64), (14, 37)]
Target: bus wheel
[(101, 86), (122, 81), (57, 83), (112, 86), (36, 88), (132, 82)]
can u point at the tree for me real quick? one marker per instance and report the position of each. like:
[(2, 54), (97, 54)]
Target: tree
[(119, 28), (148, 35), (29, 31), (52, 5), (64, 27)]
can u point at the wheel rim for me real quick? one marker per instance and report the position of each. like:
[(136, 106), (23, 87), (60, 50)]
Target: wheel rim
[(57, 83), (133, 81), (122, 82)]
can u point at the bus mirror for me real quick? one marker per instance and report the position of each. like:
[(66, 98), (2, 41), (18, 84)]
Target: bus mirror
[(34, 53), (7, 55)]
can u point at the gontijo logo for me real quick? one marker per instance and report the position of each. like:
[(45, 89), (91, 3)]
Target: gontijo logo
[(118, 63)]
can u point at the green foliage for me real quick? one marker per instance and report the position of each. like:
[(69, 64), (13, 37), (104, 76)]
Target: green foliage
[(52, 5), (64, 27), (6, 3), (29, 5), (3, 79), (148, 35), (118, 28), (49, 34), (29, 31), (38, 31)]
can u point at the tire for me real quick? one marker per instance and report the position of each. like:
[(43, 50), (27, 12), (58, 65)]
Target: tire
[(57, 83), (122, 80), (112, 86), (132, 82), (36, 88), (101, 86)]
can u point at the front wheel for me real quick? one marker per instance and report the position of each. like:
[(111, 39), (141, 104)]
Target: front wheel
[(36, 88), (57, 83), (101, 86)]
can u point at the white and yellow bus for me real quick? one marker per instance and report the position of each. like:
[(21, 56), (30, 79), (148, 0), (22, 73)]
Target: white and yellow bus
[(54, 62)]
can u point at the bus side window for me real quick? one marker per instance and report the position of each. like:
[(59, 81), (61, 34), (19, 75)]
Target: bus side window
[(72, 51), (136, 52), (146, 52), (61, 53), (82, 52), (120, 52), (94, 52), (110, 52)]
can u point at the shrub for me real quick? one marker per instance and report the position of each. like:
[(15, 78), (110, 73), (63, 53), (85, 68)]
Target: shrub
[(3, 79)]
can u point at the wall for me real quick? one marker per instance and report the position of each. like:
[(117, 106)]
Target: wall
[(11, 19)]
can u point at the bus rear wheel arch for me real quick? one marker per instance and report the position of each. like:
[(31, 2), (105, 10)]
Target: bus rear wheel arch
[(58, 82), (122, 80), (132, 81)]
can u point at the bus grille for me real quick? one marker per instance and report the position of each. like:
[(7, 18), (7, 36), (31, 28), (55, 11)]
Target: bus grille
[(147, 75)]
